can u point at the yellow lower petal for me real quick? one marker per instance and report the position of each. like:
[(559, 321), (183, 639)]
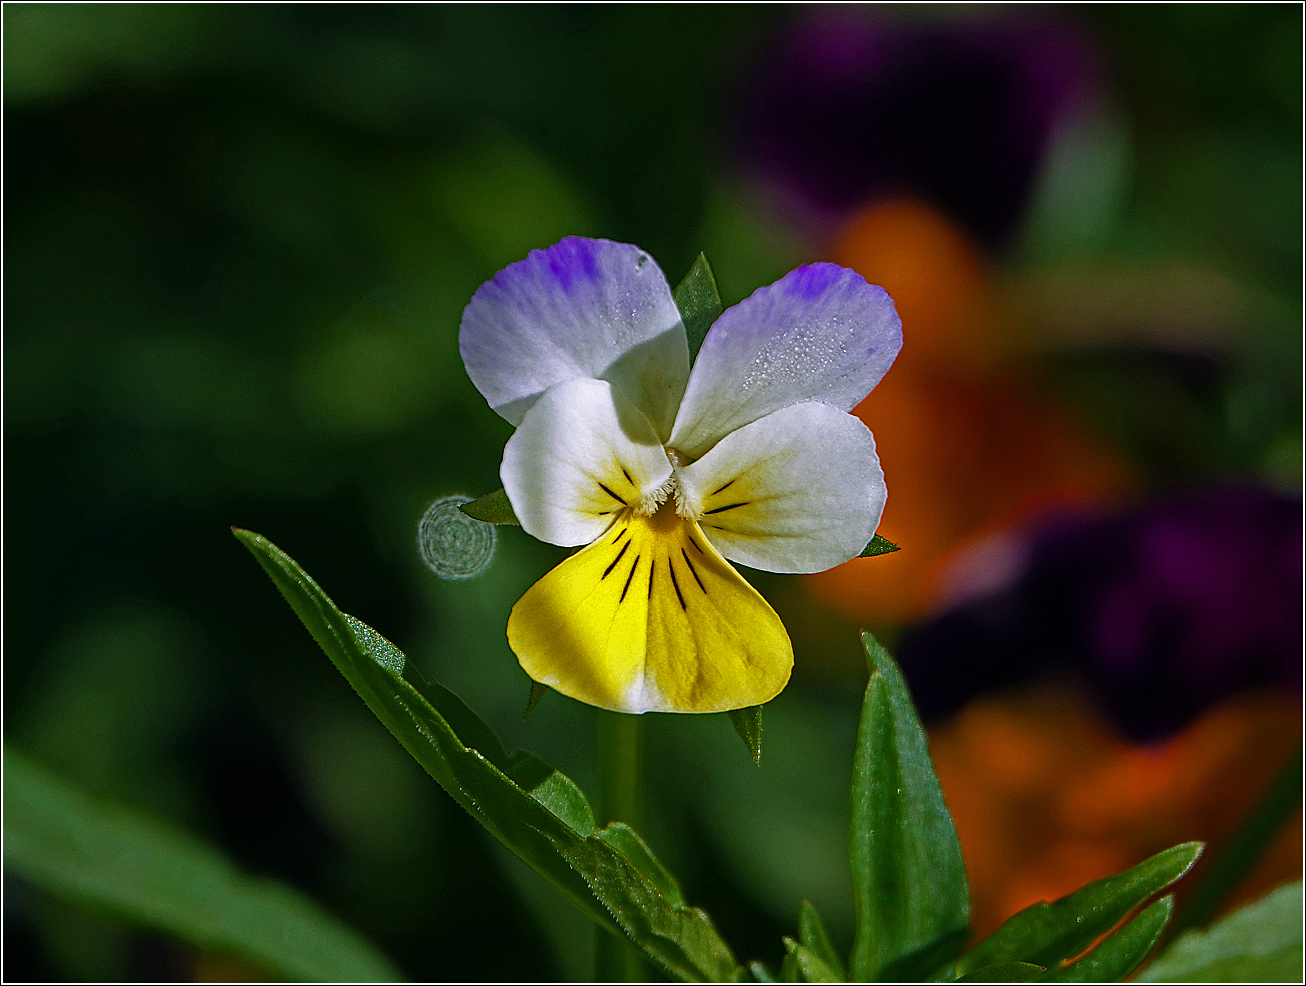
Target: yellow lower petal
[(650, 618)]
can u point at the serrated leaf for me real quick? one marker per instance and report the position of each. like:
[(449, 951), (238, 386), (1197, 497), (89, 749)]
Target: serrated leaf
[(1005, 972), (1048, 934), (878, 546), (1260, 942), (1122, 951), (909, 884), (426, 718), (811, 966), (699, 303), (493, 508), (626, 840), (104, 855), (748, 724), (813, 937)]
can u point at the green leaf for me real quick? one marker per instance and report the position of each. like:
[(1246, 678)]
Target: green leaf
[(1260, 942), (909, 885), (878, 546), (813, 937), (1049, 934), (929, 961), (748, 724), (545, 822), (1122, 951), (108, 856), (699, 303), (761, 973), (811, 966), (493, 508), (1005, 972)]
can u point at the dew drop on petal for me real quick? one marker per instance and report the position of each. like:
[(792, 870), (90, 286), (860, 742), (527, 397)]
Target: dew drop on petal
[(453, 545)]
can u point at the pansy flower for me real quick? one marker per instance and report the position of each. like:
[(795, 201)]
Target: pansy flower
[(666, 474)]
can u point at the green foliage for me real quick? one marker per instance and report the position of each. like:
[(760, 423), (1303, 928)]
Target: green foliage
[(816, 940), (1261, 942), (878, 546), (699, 303), (493, 508), (106, 856), (748, 724), (532, 809), (1049, 934), (909, 884)]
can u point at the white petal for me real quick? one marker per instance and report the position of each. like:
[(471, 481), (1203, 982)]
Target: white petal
[(800, 490), (819, 333), (581, 308), (582, 454)]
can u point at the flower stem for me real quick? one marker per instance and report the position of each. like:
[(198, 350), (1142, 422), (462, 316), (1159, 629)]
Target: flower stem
[(618, 769)]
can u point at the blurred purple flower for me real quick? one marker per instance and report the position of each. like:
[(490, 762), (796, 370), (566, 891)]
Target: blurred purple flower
[(1165, 610), (848, 105)]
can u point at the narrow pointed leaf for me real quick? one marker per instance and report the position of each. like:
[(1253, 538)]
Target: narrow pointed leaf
[(699, 302), (546, 826), (878, 546), (748, 724), (813, 937), (909, 884), (1260, 942), (811, 966), (493, 508), (108, 856), (1048, 934), (1119, 954), (761, 973)]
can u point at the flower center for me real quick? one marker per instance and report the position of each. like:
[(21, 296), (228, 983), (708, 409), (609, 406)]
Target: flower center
[(650, 503)]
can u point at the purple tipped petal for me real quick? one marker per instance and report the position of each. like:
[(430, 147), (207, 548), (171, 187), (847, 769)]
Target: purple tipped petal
[(581, 308), (819, 333)]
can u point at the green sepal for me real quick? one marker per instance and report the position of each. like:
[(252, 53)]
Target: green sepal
[(547, 825), (538, 691), (1260, 942), (748, 724), (811, 966), (813, 937), (878, 546), (493, 508), (1049, 934), (111, 857), (699, 303), (909, 884)]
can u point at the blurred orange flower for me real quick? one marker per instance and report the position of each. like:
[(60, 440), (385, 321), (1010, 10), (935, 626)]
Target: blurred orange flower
[(1047, 797), (969, 440)]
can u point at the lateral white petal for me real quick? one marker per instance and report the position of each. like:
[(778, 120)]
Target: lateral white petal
[(800, 490), (582, 454), (819, 333), (581, 308)]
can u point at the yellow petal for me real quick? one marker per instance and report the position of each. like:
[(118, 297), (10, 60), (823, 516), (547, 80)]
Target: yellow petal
[(650, 618)]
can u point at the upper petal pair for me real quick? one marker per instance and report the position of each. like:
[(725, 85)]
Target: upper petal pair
[(594, 308)]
